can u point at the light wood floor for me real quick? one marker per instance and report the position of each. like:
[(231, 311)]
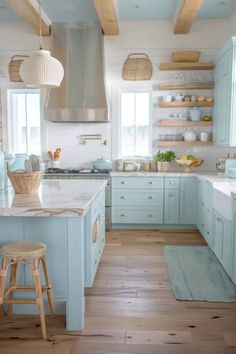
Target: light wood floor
[(131, 309)]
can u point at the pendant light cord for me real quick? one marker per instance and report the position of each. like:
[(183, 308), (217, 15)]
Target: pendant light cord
[(40, 27)]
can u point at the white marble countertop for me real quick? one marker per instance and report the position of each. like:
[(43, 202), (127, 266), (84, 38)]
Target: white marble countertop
[(58, 198), (207, 174)]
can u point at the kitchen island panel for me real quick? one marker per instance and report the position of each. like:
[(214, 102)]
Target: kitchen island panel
[(65, 254)]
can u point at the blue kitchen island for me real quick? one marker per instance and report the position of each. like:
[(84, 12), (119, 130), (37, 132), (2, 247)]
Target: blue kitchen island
[(69, 217)]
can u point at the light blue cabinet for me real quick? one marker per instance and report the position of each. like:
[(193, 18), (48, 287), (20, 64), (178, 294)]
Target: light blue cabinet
[(94, 238), (234, 248), (204, 212), (222, 243), (171, 210), (224, 129), (188, 201), (137, 200)]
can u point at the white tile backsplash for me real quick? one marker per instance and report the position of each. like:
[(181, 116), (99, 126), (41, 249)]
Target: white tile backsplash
[(67, 137)]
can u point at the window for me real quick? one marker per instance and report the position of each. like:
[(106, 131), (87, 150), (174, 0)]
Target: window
[(24, 128), (135, 124)]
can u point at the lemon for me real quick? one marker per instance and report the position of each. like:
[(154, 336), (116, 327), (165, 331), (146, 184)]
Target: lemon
[(183, 157)]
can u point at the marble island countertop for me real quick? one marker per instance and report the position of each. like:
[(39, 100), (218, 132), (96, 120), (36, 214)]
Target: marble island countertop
[(58, 198)]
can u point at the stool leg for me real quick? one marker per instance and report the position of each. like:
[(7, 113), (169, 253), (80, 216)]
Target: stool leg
[(39, 297), (3, 275), (49, 287), (12, 284)]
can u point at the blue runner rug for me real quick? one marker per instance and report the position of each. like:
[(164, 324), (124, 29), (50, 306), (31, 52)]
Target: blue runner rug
[(196, 275)]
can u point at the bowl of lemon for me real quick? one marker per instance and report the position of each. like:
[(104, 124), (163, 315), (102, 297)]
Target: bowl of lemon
[(189, 161)]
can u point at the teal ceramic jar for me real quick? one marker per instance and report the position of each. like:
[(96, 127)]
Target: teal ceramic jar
[(19, 162)]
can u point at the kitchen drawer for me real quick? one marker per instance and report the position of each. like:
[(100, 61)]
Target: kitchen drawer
[(137, 216), (137, 198), (138, 182), (172, 183)]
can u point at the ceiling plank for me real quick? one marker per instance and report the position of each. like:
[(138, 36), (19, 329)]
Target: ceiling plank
[(187, 15), (106, 11), (29, 12)]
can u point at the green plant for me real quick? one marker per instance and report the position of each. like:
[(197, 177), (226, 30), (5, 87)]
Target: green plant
[(164, 156)]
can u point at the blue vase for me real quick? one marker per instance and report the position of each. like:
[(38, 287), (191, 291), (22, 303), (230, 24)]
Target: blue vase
[(19, 162), (2, 170)]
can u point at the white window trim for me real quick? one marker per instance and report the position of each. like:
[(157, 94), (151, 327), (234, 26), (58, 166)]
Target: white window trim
[(116, 127), (6, 128)]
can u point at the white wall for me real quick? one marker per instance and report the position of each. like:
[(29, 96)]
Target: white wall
[(158, 41), (154, 38)]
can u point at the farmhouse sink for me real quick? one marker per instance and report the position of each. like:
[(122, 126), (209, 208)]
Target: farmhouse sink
[(222, 198)]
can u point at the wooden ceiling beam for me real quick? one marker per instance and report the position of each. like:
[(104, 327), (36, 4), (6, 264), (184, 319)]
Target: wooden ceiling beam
[(27, 9), (187, 15), (106, 11)]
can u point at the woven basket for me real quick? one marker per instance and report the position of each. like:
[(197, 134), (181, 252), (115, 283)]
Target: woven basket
[(25, 182), (138, 68), (14, 68), (186, 56)]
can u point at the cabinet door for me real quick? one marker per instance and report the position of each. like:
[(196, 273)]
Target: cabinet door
[(223, 241), (217, 103), (218, 229), (188, 201), (227, 247), (234, 252), (223, 97), (171, 210)]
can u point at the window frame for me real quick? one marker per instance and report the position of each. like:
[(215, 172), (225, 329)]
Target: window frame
[(134, 89), (9, 131)]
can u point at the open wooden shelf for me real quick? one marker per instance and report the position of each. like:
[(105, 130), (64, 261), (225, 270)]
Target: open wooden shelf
[(183, 123), (186, 104), (187, 86), (182, 143), (187, 66)]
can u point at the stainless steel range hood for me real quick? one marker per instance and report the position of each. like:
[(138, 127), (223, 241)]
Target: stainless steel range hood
[(81, 96)]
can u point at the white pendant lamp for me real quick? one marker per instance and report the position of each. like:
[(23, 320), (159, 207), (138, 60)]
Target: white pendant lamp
[(41, 69)]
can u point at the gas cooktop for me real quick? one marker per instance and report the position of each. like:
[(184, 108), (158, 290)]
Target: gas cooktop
[(75, 171)]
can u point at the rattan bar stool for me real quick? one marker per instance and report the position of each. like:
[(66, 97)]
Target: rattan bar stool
[(31, 254)]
